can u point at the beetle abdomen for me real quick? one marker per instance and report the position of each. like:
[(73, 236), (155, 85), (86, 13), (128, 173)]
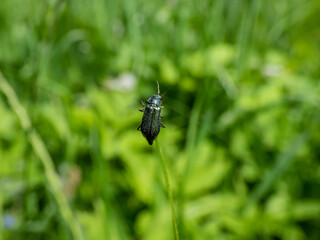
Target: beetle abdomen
[(150, 126)]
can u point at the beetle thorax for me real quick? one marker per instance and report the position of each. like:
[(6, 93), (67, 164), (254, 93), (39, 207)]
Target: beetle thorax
[(155, 99)]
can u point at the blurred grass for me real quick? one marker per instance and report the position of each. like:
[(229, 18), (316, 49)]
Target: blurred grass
[(42, 153), (242, 89)]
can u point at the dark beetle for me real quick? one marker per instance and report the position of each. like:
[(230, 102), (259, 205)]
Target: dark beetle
[(151, 120)]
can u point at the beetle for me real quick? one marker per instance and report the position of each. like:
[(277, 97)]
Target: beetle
[(151, 120)]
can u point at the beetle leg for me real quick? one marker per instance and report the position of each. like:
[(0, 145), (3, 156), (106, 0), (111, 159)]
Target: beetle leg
[(141, 109), (139, 127), (143, 103), (161, 116), (162, 125), (161, 106)]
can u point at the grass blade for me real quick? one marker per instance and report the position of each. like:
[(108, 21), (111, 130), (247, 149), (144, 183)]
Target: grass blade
[(169, 191)]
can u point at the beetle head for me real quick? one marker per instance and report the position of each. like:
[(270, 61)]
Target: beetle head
[(155, 99)]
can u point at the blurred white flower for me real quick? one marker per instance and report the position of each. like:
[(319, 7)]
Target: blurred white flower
[(125, 82), (272, 70)]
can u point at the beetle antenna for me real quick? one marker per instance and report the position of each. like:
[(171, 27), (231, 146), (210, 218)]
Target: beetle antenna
[(164, 94), (158, 88)]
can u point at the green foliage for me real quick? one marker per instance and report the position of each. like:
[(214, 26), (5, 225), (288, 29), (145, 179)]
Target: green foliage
[(241, 110)]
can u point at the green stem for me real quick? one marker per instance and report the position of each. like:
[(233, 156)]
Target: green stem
[(169, 191), (1, 213)]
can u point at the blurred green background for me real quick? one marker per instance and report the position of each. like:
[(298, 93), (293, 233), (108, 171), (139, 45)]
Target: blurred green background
[(242, 101)]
